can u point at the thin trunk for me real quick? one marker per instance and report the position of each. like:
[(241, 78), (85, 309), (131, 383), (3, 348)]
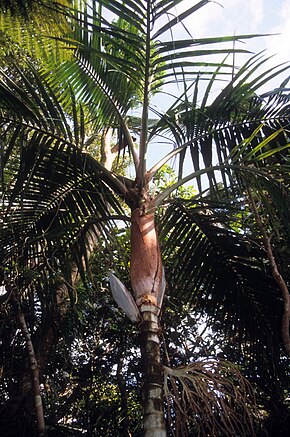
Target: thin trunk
[(277, 277), (107, 156), (152, 393), (34, 374), (145, 111)]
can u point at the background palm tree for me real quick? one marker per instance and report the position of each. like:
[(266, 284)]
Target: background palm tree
[(59, 199)]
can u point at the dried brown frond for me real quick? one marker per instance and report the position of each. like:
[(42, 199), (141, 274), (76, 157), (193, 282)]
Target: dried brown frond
[(209, 398)]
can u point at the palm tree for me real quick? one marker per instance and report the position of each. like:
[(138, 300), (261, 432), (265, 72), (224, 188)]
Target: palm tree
[(56, 195)]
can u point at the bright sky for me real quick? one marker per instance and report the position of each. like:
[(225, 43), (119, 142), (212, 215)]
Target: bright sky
[(229, 17), (240, 17)]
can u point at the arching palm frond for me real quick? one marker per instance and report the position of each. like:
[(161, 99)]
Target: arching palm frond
[(216, 265), (239, 127), (53, 193)]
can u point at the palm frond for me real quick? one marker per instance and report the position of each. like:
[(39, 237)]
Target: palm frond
[(54, 194), (24, 26), (237, 128), (223, 273), (122, 61)]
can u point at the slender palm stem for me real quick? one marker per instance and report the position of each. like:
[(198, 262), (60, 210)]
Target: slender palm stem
[(276, 275), (144, 121), (35, 385)]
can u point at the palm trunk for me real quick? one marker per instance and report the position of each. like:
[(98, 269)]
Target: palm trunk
[(147, 283), (34, 374), (152, 394)]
